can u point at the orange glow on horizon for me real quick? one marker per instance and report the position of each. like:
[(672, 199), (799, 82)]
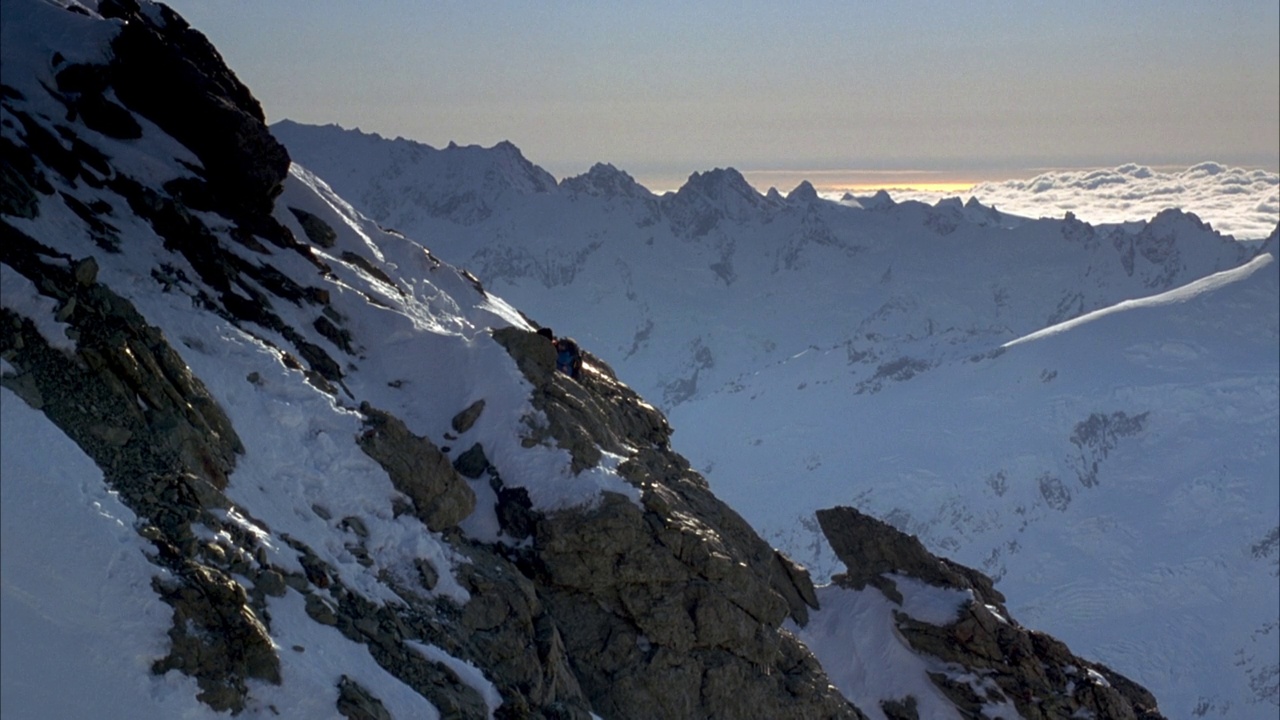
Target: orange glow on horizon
[(864, 188)]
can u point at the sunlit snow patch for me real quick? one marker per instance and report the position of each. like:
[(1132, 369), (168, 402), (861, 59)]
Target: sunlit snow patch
[(1176, 295)]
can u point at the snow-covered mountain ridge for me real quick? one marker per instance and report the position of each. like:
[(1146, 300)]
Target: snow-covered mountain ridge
[(262, 457), (867, 352)]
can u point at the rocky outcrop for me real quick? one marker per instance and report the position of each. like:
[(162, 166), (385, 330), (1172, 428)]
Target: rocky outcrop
[(1033, 670), (128, 400), (418, 469), (171, 75), (671, 606)]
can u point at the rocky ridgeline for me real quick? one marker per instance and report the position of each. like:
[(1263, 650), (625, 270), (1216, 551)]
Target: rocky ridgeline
[(671, 606), (1037, 673)]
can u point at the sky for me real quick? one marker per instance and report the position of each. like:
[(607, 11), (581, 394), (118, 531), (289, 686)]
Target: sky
[(864, 94)]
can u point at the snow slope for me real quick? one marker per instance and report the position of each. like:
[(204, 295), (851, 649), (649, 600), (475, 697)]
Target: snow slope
[(1075, 409)]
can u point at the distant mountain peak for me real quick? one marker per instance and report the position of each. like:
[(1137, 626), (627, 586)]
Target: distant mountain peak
[(803, 193), (707, 197), (880, 201), (460, 182), (605, 180), (718, 184)]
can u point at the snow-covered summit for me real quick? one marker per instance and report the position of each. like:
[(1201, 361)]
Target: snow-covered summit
[(708, 197), (603, 179), (439, 177), (803, 193)]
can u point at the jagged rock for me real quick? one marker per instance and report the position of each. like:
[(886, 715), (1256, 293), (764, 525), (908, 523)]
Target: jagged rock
[(355, 525), (1038, 673), (216, 638), (357, 703), (904, 709), (19, 181), (672, 607), (317, 230), (464, 420), (170, 74), (871, 548), (472, 463), (792, 581), (336, 335), (162, 420), (586, 415), (515, 512), (418, 469), (504, 619)]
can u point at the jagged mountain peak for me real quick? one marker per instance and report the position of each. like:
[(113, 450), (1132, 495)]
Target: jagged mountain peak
[(502, 166), (879, 201), (522, 173), (1172, 219), (718, 184), (461, 183), (708, 197), (605, 180), (803, 193)]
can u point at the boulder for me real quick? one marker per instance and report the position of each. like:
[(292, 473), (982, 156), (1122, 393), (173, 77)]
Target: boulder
[(418, 469)]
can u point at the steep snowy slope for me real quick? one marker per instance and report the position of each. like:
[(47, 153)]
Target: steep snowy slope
[(263, 457), (812, 353)]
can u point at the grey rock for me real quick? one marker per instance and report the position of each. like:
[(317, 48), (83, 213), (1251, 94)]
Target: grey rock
[(317, 230), (472, 463), (671, 607), (464, 420), (1037, 673), (418, 469), (357, 703)]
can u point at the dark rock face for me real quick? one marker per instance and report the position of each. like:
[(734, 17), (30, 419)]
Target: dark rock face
[(1033, 670), (171, 75), (356, 703), (317, 230)]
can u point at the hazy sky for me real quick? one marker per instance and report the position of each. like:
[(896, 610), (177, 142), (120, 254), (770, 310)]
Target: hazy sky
[(962, 90)]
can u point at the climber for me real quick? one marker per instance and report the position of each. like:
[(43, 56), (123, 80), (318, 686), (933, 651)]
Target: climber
[(568, 357)]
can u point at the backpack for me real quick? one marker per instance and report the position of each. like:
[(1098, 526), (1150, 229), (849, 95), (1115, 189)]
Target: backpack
[(568, 358)]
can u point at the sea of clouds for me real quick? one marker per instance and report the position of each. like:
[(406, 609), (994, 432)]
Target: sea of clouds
[(1240, 202)]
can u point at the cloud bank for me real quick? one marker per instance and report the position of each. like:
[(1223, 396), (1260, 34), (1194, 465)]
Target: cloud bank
[(1236, 201)]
